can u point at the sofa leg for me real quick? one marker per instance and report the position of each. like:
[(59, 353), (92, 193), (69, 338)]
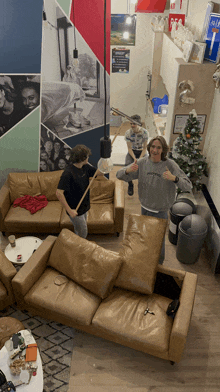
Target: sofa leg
[(172, 362), (118, 234)]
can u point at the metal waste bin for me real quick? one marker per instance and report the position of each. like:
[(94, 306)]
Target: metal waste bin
[(192, 232), (178, 211)]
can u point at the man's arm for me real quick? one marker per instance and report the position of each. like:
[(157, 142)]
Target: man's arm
[(144, 149), (62, 199), (130, 151)]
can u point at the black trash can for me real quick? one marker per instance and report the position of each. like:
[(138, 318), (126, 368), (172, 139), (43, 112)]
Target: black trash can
[(178, 211), (192, 232)]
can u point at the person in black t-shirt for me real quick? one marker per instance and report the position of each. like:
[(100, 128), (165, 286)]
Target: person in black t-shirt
[(72, 185)]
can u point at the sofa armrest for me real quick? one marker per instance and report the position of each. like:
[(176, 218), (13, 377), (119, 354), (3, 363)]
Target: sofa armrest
[(175, 273), (32, 270), (183, 316), (119, 205), (7, 273), (5, 204)]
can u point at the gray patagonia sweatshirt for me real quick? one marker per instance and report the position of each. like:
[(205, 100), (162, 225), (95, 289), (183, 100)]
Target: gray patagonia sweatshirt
[(155, 192)]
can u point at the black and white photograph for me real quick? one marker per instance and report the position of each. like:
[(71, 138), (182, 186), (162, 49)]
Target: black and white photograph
[(73, 78), (19, 95), (54, 154)]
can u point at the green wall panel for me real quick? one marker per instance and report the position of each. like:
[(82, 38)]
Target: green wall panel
[(65, 4), (19, 148)]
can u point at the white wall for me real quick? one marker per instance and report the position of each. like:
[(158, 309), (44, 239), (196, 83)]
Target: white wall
[(196, 14), (128, 90)]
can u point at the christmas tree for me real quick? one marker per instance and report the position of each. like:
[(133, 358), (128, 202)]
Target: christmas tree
[(187, 154)]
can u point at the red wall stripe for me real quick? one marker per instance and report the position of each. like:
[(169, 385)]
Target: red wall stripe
[(89, 21)]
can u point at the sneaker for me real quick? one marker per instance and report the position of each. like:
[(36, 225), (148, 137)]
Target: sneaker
[(130, 189)]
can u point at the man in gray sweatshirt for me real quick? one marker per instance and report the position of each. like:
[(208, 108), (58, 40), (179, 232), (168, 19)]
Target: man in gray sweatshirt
[(158, 177)]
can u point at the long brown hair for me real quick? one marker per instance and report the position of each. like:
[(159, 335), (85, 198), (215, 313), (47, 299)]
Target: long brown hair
[(165, 147)]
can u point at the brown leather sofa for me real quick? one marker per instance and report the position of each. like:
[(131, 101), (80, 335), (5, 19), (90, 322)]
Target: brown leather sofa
[(75, 282), (7, 272), (106, 214)]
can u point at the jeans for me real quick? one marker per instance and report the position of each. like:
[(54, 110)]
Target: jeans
[(80, 225), (162, 215)]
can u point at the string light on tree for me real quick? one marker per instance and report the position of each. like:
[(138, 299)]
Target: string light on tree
[(187, 154)]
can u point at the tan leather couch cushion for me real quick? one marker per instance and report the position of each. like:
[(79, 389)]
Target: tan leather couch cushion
[(86, 263), (122, 314), (101, 216), (140, 252), (48, 217), (66, 298), (100, 219), (102, 190), (44, 183), (3, 292)]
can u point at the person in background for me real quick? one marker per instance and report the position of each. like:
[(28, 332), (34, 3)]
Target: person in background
[(62, 164), (158, 177), (44, 166), (30, 94), (44, 156), (72, 185), (136, 138), (9, 112)]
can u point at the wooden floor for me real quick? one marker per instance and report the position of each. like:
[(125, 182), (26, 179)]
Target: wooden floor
[(101, 366)]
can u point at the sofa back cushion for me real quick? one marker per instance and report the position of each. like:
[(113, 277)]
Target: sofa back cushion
[(102, 191), (44, 183), (86, 263), (140, 253)]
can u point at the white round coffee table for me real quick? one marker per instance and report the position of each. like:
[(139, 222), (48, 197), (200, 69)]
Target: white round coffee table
[(25, 246), (36, 382)]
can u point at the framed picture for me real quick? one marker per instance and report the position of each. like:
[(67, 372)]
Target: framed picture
[(181, 119), (123, 29)]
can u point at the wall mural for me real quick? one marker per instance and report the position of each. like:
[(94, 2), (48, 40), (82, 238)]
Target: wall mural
[(19, 95), (43, 114), (72, 99)]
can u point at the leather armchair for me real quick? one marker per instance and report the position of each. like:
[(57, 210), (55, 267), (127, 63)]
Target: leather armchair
[(7, 273)]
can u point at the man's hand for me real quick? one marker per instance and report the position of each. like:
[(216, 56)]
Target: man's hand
[(73, 213), (167, 175), (132, 168)]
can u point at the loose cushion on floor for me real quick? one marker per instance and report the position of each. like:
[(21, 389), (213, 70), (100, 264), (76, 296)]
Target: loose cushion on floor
[(63, 296), (19, 219), (122, 314), (140, 253), (86, 263)]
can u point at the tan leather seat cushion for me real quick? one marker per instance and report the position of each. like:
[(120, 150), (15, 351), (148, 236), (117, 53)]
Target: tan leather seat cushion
[(86, 263), (100, 219), (101, 216), (22, 184), (140, 252), (3, 292), (102, 191), (122, 314), (68, 299), (20, 218)]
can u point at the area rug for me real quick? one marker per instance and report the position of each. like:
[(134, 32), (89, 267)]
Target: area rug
[(55, 343)]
